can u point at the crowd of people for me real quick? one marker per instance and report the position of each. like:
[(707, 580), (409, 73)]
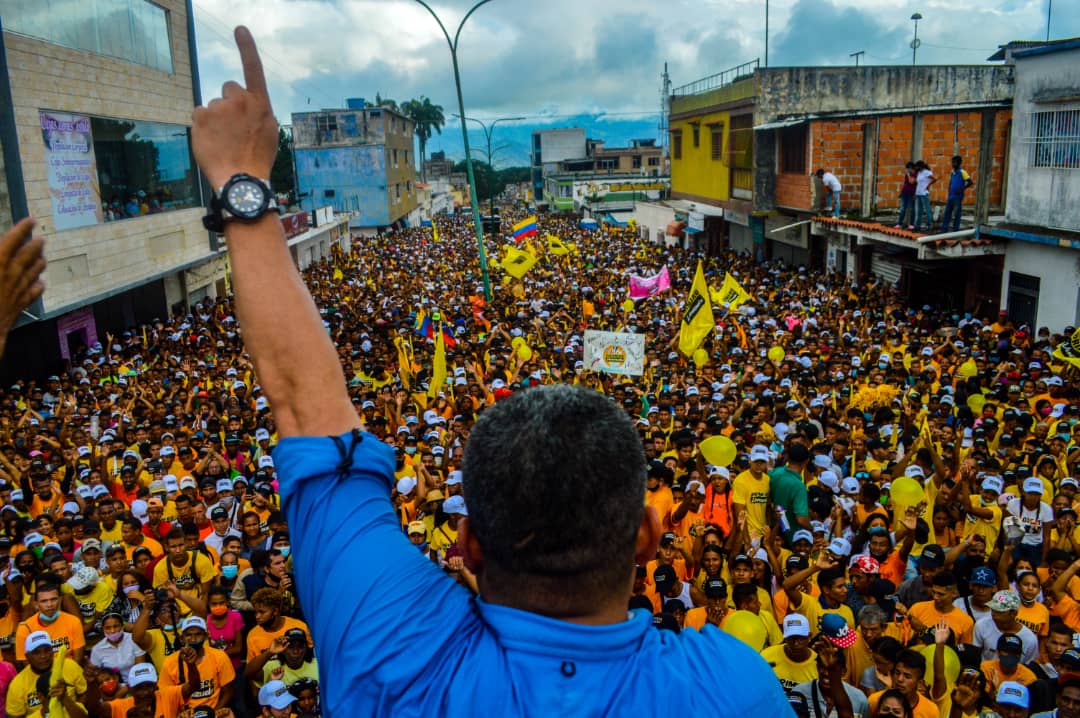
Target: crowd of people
[(141, 510)]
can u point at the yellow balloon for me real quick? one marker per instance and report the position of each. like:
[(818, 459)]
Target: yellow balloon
[(524, 352), (906, 491), (952, 662), (516, 342), (718, 450), (701, 357), (628, 305), (507, 279), (776, 353), (747, 627), (968, 369), (975, 403)]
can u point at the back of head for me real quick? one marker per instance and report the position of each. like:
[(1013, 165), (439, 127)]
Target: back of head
[(555, 483)]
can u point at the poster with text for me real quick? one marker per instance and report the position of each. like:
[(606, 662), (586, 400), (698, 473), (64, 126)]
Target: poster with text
[(615, 352), (72, 168)]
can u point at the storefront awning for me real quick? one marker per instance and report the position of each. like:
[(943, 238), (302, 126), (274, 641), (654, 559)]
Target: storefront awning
[(778, 124)]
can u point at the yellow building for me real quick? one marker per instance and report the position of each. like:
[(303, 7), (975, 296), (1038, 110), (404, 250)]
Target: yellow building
[(712, 176)]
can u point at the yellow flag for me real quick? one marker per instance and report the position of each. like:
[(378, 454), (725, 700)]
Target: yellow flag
[(438, 364), (338, 274), (1069, 351), (517, 262), (404, 363), (556, 246), (697, 315), (731, 293), (434, 231)]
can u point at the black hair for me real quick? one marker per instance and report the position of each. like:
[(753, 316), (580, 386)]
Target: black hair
[(743, 592), (912, 659), (522, 518)]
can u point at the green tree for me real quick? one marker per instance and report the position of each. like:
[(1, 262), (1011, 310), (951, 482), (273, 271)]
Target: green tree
[(486, 178), (380, 102), (281, 175), (427, 117)]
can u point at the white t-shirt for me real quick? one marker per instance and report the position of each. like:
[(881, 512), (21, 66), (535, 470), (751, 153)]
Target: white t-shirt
[(829, 180), (986, 635), (1031, 520), (116, 657), (922, 182)]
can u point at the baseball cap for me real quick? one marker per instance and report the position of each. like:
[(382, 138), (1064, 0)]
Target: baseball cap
[(36, 640), (83, 578), (666, 622), (192, 622), (453, 478), (295, 635), (455, 505), (219, 513), (1004, 601), (417, 527), (866, 564), (273, 695), (1013, 694), (835, 628), (1033, 485), (1010, 643), (224, 485), (664, 578), (840, 546), (406, 484), (802, 535), (716, 588), (796, 625), (667, 538), (932, 557), (759, 453), (982, 576), (142, 673), (995, 484), (91, 544)]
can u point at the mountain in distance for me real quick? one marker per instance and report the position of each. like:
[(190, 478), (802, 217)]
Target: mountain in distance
[(511, 141)]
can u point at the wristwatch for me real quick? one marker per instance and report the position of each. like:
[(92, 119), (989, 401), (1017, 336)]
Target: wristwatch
[(242, 197)]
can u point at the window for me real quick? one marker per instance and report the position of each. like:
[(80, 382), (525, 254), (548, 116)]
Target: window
[(376, 114), (143, 167), (608, 164), (793, 149), (397, 191), (1054, 139), (132, 30), (408, 185), (676, 145), (654, 162), (636, 162), (326, 123), (741, 142), (328, 193), (566, 191), (697, 135), (716, 139)]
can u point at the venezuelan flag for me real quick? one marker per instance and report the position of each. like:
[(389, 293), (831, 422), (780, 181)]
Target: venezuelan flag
[(524, 228), (422, 325)]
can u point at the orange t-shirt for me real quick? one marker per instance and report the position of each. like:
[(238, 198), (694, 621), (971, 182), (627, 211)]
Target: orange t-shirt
[(155, 548), (66, 630), (169, 701), (994, 676), (1068, 610), (259, 639), (962, 625), (215, 672)]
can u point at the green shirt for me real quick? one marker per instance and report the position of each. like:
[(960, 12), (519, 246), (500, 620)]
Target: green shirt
[(786, 488)]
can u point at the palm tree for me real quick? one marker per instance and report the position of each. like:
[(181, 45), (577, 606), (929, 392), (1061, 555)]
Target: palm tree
[(427, 117), (382, 102)]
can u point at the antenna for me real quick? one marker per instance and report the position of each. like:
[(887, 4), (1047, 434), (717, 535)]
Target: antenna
[(857, 55), (665, 100)]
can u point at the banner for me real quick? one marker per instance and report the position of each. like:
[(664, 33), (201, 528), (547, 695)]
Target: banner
[(641, 287), (72, 170), (615, 352), (1069, 351)]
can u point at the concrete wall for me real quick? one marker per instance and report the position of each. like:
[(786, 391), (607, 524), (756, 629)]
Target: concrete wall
[(652, 219), (1040, 195), (100, 259), (561, 144), (357, 176), (1058, 270), (400, 173), (784, 91), (695, 173)]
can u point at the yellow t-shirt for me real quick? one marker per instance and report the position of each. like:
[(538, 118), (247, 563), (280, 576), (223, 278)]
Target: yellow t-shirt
[(754, 495), (23, 698), (987, 528), (1036, 617), (442, 537), (813, 610), (96, 601), (790, 673)]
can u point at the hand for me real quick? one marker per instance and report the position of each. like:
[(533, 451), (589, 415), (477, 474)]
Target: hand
[(189, 655), (58, 690), (22, 260), (825, 561), (237, 132), (715, 615), (278, 646), (910, 518), (455, 564), (941, 633), (827, 654), (278, 673), (966, 693)]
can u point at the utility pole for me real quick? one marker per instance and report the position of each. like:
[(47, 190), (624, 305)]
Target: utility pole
[(488, 130), (1049, 10), (857, 55), (766, 33), (915, 41)]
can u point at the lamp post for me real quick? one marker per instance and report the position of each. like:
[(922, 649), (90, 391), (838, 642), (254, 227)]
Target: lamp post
[(915, 41), (489, 129), (482, 255)]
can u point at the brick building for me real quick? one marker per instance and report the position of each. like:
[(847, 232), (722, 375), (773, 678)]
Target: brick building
[(95, 115)]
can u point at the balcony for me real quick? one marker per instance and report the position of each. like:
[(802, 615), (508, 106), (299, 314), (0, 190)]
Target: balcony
[(742, 183)]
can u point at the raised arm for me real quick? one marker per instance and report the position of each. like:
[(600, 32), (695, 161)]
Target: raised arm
[(298, 367)]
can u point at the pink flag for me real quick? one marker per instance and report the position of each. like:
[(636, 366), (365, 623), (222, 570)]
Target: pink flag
[(641, 287)]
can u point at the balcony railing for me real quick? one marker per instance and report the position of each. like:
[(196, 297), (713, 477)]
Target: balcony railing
[(718, 80)]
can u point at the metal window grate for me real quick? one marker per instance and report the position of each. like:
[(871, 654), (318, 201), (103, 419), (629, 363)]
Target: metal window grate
[(1053, 139)]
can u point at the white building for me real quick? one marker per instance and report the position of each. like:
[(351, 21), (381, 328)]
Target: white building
[(1040, 282), (549, 148)]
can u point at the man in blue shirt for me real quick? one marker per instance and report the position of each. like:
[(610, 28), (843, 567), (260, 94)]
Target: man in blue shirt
[(959, 182), (554, 479)]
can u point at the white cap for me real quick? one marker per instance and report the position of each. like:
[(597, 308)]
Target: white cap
[(188, 482), (192, 622), (141, 673), (850, 486), (914, 470), (36, 640), (172, 485), (1033, 485), (262, 435), (695, 486), (261, 403), (275, 694), (455, 505), (823, 461), (995, 484), (406, 484), (1014, 694), (829, 479), (759, 453), (802, 535), (794, 625), (224, 485), (718, 471), (453, 478), (266, 462), (840, 546)]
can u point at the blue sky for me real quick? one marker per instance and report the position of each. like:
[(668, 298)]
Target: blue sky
[(561, 62)]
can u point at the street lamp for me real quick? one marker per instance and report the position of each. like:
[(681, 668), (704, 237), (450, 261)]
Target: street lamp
[(489, 129), (465, 139), (915, 42)]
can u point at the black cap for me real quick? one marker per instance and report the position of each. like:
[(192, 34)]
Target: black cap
[(932, 556), (219, 513), (715, 588), (1010, 643), (666, 622), (664, 578), (279, 536), (742, 558), (295, 635), (667, 538)]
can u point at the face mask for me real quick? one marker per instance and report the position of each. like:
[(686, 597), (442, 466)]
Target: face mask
[(49, 618), (37, 551), (114, 637), (438, 461), (219, 611), (410, 450), (196, 644), (1009, 661), (226, 502), (230, 572), (285, 551), (168, 627)]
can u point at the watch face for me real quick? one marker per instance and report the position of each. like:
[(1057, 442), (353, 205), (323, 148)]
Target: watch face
[(246, 199)]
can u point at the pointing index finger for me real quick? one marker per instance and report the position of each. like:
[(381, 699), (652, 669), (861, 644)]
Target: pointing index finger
[(254, 79)]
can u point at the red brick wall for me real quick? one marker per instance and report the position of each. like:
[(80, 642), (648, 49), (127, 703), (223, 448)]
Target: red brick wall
[(837, 145)]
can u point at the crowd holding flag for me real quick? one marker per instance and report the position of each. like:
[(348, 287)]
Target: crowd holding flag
[(697, 315), (518, 262)]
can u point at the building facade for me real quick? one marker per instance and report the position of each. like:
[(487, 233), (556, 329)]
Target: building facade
[(549, 148), (642, 157), (95, 116), (359, 161), (1040, 281)]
